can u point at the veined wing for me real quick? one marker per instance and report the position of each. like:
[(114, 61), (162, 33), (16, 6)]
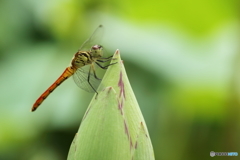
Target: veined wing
[(93, 40), (81, 79)]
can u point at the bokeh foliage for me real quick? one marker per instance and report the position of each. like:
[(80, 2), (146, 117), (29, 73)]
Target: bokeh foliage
[(182, 59)]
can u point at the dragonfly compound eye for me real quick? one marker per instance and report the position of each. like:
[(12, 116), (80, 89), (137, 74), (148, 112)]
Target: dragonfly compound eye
[(96, 47)]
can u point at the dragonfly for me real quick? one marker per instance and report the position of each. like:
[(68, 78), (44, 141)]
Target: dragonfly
[(82, 67)]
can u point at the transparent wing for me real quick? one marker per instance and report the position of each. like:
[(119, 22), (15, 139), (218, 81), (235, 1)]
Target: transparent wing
[(93, 40), (80, 77)]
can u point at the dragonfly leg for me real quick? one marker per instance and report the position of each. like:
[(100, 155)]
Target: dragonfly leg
[(107, 57), (104, 67), (102, 61), (95, 75), (89, 79)]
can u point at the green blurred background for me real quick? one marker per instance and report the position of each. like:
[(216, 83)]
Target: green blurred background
[(182, 59)]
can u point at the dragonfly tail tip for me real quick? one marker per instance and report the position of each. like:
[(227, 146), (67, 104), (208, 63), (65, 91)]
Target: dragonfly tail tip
[(33, 109)]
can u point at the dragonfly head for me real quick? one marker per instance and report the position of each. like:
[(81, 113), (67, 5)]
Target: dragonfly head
[(97, 51)]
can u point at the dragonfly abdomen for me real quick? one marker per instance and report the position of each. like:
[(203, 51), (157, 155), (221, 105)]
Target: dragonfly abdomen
[(65, 75)]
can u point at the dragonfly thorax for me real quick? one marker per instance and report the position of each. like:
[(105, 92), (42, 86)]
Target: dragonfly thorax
[(81, 58)]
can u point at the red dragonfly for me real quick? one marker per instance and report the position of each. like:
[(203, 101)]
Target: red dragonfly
[(82, 67)]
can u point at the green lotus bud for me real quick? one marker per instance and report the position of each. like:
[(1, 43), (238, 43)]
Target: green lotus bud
[(113, 127)]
